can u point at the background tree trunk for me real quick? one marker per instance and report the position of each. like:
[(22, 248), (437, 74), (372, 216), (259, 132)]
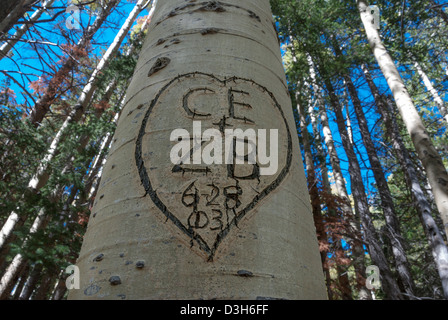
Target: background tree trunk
[(422, 205), (316, 204), (387, 203), (41, 176), (428, 155)]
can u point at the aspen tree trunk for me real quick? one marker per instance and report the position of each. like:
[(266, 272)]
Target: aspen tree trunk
[(422, 205), (21, 283), (41, 176), (218, 63), (60, 288), (387, 204), (10, 43), (31, 283), (12, 272), (19, 261), (6, 6), (434, 94), (428, 155)]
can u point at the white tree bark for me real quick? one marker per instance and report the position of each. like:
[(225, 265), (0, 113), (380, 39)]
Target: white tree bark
[(434, 94), (341, 185), (218, 63), (43, 104)]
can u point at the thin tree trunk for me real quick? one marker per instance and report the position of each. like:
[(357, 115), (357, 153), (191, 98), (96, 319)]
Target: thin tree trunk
[(428, 155), (31, 282), (12, 15), (435, 95), (11, 42), (19, 287), (314, 195), (194, 58), (10, 278), (19, 261), (389, 283), (60, 288), (44, 287), (422, 205), (387, 204), (341, 189)]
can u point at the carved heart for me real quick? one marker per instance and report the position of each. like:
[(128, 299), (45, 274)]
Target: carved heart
[(206, 201)]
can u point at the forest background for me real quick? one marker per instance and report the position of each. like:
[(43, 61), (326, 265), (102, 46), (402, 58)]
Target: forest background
[(64, 75)]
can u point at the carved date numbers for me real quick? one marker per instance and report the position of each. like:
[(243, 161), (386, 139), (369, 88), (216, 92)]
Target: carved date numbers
[(212, 207)]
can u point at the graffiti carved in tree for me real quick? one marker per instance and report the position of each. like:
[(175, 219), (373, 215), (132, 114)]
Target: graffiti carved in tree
[(207, 197)]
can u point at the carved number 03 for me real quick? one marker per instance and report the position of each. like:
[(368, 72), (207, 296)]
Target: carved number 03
[(199, 219)]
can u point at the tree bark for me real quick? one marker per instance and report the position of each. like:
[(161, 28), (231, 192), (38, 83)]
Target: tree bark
[(202, 61), (387, 204), (314, 195), (353, 237), (428, 155), (389, 283), (31, 282), (434, 94), (11, 13)]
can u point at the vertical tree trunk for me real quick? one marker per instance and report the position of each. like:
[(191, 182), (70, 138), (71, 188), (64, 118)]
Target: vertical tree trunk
[(422, 205), (387, 204), (434, 94), (202, 61), (431, 160), (11, 13), (46, 280), (19, 261), (21, 283), (60, 288), (31, 282), (355, 241)]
